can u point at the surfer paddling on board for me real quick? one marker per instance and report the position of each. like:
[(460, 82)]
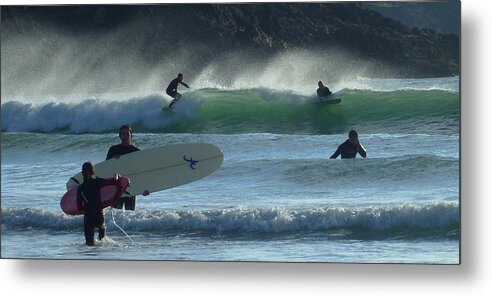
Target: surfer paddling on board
[(89, 195), (172, 89), (350, 147), (116, 151), (323, 91)]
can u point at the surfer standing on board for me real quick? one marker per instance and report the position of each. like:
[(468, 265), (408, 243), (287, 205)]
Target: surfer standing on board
[(323, 91), (89, 195), (172, 89), (350, 147), (116, 151)]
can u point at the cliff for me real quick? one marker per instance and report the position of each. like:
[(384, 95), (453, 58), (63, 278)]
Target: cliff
[(157, 31)]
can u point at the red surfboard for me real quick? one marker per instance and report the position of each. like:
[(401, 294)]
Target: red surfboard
[(109, 194)]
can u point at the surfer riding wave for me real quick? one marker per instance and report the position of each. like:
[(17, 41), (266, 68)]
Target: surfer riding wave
[(172, 89), (323, 91)]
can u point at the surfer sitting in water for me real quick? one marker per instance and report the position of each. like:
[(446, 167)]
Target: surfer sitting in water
[(350, 147), (323, 91), (116, 151), (89, 195), (172, 89)]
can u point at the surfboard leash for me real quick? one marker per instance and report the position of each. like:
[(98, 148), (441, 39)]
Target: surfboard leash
[(114, 222)]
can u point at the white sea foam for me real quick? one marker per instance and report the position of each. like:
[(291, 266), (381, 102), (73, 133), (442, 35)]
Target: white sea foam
[(410, 217)]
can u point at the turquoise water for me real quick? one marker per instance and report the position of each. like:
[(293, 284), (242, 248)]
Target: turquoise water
[(245, 111), (277, 196)]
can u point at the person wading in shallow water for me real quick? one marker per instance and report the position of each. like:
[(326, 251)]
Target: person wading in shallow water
[(350, 147), (116, 151), (89, 195)]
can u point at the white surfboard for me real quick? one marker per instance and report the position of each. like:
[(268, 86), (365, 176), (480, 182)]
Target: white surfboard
[(167, 109), (160, 168), (330, 100)]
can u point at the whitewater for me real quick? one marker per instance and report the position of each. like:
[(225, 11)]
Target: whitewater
[(277, 197)]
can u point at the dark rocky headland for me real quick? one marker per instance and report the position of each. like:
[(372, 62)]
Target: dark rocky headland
[(155, 32)]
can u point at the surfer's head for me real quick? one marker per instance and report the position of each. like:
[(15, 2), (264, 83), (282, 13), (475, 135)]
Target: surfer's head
[(320, 83), (353, 137), (126, 134), (87, 170), (180, 76)]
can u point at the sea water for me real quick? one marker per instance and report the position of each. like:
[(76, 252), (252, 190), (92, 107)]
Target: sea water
[(277, 197)]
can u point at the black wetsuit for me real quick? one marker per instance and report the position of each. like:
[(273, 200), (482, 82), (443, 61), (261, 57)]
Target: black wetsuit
[(348, 150), (118, 150), (89, 193), (323, 92), (172, 88)]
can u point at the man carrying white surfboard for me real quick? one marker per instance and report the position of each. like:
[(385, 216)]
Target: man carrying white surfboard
[(172, 89), (125, 146), (116, 151)]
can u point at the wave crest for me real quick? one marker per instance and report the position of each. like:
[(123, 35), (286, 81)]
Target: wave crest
[(244, 111), (410, 218)]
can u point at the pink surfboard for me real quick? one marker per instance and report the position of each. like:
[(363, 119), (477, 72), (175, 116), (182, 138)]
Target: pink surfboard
[(109, 194)]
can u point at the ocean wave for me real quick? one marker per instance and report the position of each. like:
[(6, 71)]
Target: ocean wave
[(410, 218), (402, 168), (243, 111), (408, 169), (449, 84)]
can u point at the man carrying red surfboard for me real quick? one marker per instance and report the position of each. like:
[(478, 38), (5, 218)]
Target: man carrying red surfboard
[(89, 195)]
